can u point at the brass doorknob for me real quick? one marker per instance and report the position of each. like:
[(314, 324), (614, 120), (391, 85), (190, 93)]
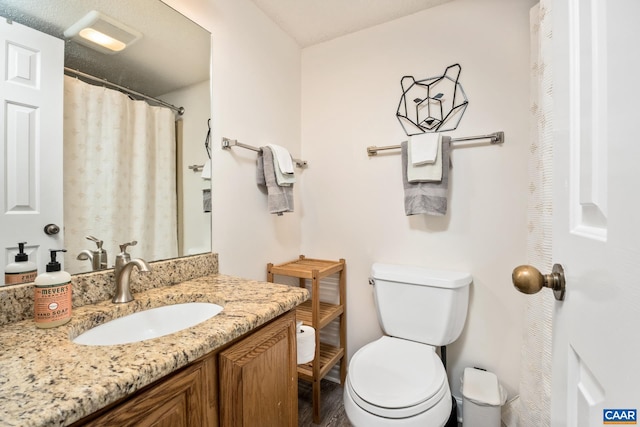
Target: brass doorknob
[(528, 280)]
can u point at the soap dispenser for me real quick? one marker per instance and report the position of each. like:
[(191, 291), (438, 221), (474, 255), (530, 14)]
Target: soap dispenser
[(22, 270), (52, 302), (97, 257)]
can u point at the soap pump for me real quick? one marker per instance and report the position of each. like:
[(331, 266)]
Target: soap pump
[(22, 270), (97, 257), (52, 301)]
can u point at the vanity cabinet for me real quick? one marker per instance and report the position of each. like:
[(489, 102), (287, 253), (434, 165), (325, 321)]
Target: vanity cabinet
[(258, 378), (185, 398), (249, 382)]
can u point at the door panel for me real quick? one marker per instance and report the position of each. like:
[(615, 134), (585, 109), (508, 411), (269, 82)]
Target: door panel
[(258, 378), (596, 236)]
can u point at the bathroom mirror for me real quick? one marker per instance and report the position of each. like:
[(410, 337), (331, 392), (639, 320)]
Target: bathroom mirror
[(170, 62)]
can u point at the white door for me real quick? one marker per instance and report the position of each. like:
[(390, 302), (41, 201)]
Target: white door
[(596, 231), (31, 90)]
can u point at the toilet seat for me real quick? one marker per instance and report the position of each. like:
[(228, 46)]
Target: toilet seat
[(396, 378)]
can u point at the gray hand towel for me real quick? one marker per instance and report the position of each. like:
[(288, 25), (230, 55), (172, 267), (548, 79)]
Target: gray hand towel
[(426, 197), (260, 171), (279, 199)]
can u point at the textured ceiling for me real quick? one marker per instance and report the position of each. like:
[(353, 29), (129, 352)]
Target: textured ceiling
[(173, 53), (315, 21)]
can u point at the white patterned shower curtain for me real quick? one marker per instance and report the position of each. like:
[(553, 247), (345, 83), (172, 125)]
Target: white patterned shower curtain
[(533, 407), (120, 174)]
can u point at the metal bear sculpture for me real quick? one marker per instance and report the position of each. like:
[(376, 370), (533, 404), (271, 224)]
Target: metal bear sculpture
[(435, 104)]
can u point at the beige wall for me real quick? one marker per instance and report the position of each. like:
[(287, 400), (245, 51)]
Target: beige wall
[(196, 231), (353, 204), (256, 100), (327, 103)]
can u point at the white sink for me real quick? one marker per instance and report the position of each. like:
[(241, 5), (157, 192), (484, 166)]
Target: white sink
[(148, 324)]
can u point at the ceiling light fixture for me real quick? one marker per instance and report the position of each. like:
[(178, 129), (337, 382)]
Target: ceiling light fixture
[(102, 33)]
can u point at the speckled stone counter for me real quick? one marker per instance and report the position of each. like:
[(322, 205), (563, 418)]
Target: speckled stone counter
[(16, 301), (45, 379)]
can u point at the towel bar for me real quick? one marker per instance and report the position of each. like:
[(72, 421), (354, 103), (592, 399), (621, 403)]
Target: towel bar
[(496, 138), (228, 143)]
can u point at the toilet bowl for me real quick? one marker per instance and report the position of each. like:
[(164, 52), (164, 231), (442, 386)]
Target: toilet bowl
[(393, 381), (399, 380)]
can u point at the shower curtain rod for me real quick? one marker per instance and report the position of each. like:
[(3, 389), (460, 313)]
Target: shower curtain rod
[(76, 73), (495, 138)]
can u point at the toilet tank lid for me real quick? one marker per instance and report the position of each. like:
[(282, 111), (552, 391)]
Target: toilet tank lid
[(420, 275)]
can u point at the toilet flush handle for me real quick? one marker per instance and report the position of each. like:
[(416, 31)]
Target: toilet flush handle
[(372, 281), (528, 280)]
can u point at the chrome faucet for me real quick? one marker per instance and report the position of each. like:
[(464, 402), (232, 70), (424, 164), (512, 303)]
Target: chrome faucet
[(122, 272), (98, 258)]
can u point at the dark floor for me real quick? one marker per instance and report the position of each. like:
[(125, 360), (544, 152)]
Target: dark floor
[(331, 408)]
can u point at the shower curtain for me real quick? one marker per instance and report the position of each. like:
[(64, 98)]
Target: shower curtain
[(533, 407), (120, 174)]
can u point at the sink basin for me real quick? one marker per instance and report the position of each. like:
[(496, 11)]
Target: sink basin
[(148, 324)]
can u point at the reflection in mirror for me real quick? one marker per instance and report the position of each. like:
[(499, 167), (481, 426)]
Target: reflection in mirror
[(132, 166)]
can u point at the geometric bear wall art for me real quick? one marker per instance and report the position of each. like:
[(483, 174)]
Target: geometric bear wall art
[(436, 104)]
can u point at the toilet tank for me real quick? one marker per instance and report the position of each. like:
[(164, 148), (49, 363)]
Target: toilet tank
[(421, 304)]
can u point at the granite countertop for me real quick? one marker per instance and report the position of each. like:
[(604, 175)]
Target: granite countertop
[(46, 379)]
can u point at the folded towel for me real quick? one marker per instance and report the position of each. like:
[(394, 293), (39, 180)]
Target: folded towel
[(283, 179), (206, 170), (282, 158), (260, 170), (279, 198), (426, 172), (206, 200), (423, 148), (426, 197)]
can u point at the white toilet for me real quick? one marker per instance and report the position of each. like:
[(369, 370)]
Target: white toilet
[(399, 380)]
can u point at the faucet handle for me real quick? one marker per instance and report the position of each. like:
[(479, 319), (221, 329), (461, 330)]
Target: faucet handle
[(97, 241), (123, 247)]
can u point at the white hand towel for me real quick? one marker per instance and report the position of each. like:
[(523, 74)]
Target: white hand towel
[(206, 170), (426, 173), (423, 148), (283, 179), (282, 158)]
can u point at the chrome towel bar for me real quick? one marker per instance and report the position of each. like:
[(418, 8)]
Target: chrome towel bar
[(228, 143), (495, 138)]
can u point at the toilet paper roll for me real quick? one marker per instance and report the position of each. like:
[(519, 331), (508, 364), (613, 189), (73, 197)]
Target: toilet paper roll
[(306, 341)]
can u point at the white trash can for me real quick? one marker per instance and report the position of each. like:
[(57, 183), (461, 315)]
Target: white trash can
[(483, 397)]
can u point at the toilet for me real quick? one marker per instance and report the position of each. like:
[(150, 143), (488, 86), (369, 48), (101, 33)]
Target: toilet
[(399, 379)]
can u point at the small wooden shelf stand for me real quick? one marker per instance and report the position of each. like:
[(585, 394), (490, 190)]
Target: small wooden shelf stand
[(318, 314)]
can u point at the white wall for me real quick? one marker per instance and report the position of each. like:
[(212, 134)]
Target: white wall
[(256, 100), (353, 204), (196, 222)]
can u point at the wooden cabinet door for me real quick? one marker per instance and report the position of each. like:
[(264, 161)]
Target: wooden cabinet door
[(175, 402), (258, 378)]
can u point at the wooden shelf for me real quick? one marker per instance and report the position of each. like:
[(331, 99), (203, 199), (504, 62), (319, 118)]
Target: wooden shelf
[(318, 314), (329, 356), (304, 268), (328, 312)]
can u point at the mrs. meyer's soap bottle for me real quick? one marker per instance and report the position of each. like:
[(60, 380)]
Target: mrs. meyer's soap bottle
[(52, 295), (22, 270)]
